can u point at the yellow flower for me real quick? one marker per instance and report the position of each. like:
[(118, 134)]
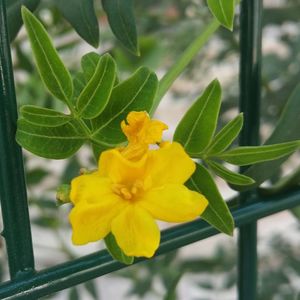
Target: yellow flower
[(125, 196), (140, 131)]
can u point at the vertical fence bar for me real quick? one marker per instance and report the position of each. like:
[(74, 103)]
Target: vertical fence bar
[(13, 196), (250, 75)]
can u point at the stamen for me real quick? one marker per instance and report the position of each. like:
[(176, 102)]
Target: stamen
[(125, 193)]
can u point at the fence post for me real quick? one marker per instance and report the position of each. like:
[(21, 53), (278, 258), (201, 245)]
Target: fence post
[(250, 75), (13, 196)]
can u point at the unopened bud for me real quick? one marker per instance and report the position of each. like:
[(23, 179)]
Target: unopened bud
[(63, 194)]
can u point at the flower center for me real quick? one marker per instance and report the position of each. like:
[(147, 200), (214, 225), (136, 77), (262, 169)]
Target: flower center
[(129, 192)]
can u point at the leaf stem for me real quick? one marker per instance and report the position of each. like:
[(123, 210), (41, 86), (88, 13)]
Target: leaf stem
[(183, 61), (74, 114)]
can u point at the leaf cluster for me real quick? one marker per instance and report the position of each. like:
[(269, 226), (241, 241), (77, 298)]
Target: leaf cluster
[(96, 100), (82, 16), (196, 132)]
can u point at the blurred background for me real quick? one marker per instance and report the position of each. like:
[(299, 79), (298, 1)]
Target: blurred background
[(205, 270)]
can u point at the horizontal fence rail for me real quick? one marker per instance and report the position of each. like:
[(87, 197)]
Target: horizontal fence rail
[(100, 263)]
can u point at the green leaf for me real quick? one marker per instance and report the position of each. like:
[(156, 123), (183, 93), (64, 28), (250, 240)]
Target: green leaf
[(97, 150), (229, 176), (287, 129), (81, 15), (14, 18), (183, 60), (79, 83), (94, 97), (198, 125), (89, 64), (74, 294), (115, 251), (50, 142), (226, 135), (243, 156), (217, 213), (52, 70), (223, 10), (134, 94), (43, 116), (35, 176), (92, 289), (121, 20)]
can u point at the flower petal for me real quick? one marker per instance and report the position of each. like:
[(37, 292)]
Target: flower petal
[(173, 203), (90, 188), (170, 164), (114, 165), (140, 129), (136, 232), (92, 222)]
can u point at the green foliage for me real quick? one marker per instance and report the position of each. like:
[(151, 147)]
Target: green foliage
[(198, 125), (121, 19), (115, 251), (43, 116), (229, 176), (286, 129), (89, 64), (14, 18), (82, 17), (217, 213), (223, 10), (243, 156), (51, 142), (226, 135), (134, 94), (183, 61), (95, 95), (52, 70)]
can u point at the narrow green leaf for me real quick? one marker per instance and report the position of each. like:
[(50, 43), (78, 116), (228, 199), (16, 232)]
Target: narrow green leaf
[(52, 70), (286, 183), (97, 150), (94, 97), (43, 116), (134, 94), (287, 129), (182, 62), (89, 63), (14, 18), (50, 142), (121, 20), (198, 125), (74, 294), (81, 15), (92, 289), (217, 213), (223, 10), (79, 83), (229, 176), (226, 135), (115, 251), (243, 156)]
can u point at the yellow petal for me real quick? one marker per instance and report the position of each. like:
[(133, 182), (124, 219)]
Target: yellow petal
[(173, 203), (170, 164), (136, 232), (114, 165), (92, 222), (140, 129), (90, 188)]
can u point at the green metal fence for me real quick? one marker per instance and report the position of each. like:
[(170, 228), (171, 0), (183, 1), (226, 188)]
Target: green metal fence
[(247, 208)]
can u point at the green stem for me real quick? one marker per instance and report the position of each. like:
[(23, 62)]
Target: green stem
[(183, 61), (84, 127)]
